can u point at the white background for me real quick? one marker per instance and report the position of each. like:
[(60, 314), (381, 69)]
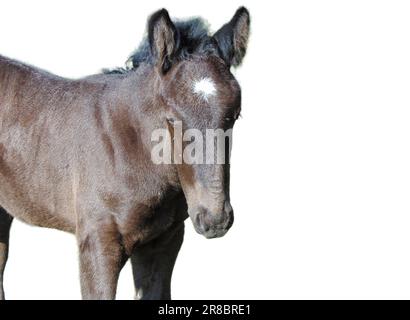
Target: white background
[(321, 159)]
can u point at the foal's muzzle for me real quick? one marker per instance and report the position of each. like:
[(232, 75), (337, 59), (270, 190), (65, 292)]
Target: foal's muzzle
[(213, 225)]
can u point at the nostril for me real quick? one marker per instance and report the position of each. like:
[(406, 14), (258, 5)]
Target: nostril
[(228, 208), (229, 214), (197, 219), (230, 220), (200, 222)]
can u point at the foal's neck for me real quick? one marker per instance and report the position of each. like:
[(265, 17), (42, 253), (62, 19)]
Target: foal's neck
[(138, 92), (137, 104)]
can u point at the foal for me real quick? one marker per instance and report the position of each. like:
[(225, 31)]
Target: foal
[(75, 155)]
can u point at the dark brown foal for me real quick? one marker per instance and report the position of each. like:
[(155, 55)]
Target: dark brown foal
[(77, 155)]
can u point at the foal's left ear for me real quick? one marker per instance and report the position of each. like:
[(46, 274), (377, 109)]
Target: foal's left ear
[(163, 39), (232, 38)]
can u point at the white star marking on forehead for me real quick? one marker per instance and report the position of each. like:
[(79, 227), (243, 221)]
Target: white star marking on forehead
[(205, 88)]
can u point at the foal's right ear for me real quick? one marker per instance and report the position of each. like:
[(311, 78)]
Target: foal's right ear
[(163, 39)]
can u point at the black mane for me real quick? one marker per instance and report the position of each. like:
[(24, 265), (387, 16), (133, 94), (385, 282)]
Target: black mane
[(193, 38)]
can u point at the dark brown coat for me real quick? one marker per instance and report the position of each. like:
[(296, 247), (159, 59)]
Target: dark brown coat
[(75, 156)]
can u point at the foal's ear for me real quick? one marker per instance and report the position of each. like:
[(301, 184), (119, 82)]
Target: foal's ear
[(163, 39), (232, 38)]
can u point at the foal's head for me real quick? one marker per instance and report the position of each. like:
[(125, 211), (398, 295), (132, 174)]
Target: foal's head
[(198, 91)]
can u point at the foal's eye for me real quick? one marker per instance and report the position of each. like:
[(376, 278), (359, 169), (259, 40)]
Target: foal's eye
[(235, 117)]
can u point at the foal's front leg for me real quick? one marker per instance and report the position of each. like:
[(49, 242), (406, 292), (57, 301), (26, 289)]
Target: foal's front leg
[(5, 224), (153, 263), (101, 260)]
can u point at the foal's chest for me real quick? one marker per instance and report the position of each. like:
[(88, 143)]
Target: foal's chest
[(142, 223)]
